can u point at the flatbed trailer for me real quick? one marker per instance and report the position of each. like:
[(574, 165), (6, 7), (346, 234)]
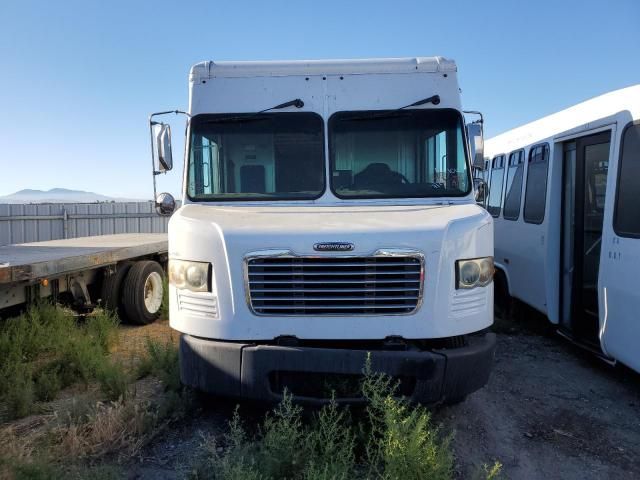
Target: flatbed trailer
[(123, 272)]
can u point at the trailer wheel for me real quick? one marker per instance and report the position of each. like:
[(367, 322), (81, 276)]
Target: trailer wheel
[(143, 292), (111, 293)]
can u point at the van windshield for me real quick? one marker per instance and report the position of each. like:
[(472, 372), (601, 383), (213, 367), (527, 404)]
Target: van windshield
[(268, 156), (398, 154)]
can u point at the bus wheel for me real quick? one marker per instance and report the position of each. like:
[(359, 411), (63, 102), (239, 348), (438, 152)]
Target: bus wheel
[(111, 293), (503, 300), (143, 292)]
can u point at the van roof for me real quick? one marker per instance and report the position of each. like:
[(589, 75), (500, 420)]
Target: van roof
[(209, 69), (603, 106)]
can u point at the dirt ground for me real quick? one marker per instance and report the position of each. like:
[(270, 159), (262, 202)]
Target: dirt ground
[(549, 411)]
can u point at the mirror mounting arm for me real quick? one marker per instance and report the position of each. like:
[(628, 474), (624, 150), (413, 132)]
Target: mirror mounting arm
[(475, 112)]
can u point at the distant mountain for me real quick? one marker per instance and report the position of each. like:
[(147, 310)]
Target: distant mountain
[(60, 195)]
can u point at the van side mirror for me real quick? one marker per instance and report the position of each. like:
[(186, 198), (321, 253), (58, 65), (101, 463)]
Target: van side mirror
[(163, 147), (482, 191), (476, 144)]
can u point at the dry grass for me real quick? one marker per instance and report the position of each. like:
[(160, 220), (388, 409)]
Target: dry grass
[(52, 446), (17, 445), (119, 426), (132, 343)]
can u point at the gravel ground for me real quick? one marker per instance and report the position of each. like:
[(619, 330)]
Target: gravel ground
[(549, 411)]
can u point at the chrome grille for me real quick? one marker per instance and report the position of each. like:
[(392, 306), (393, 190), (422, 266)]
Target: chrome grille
[(372, 285)]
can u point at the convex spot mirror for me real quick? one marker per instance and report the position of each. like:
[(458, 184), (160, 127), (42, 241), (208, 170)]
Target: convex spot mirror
[(476, 144), (165, 204), (482, 191), (163, 147)]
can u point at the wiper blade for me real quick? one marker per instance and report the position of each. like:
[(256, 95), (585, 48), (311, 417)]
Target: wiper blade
[(252, 116), (435, 99)]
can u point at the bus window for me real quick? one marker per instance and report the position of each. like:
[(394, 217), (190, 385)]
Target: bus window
[(495, 188), (513, 192), (536, 194), (626, 221)]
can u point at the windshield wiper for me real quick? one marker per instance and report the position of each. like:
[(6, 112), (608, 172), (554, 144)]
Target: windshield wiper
[(396, 112), (435, 99), (252, 116)]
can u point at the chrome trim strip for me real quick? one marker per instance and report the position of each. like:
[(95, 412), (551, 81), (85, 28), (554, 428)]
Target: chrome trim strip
[(383, 252)]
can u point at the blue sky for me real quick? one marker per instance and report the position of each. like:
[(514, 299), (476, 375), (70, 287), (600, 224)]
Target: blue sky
[(78, 78)]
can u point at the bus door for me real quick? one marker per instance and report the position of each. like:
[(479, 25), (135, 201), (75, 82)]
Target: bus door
[(585, 168), (619, 291)]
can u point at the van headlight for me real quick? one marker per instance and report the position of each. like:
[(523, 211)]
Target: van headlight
[(192, 276), (475, 272)]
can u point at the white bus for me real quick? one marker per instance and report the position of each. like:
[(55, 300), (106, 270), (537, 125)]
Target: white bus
[(564, 192), (328, 211)]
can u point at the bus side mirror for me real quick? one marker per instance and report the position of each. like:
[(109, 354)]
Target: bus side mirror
[(476, 144), (482, 191), (163, 147)]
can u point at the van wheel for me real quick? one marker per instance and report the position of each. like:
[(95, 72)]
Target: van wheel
[(143, 292), (111, 293)]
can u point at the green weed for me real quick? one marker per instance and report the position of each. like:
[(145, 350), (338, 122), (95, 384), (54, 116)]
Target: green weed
[(390, 440), (46, 349), (164, 308)]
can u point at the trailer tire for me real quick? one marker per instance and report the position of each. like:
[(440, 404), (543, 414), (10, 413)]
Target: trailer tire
[(143, 292), (111, 293)]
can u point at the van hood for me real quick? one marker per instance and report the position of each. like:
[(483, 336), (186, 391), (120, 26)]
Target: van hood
[(324, 224)]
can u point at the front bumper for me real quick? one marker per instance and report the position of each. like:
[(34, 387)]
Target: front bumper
[(253, 371)]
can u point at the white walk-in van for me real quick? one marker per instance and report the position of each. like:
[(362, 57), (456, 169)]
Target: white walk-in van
[(328, 214), (565, 197)]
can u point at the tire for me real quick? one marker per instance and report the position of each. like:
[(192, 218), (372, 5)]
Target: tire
[(504, 303), (455, 400), (111, 293), (143, 291)]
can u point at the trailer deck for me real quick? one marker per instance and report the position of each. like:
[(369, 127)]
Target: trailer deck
[(28, 262)]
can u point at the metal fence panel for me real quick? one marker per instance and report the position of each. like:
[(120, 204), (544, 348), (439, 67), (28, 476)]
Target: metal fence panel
[(22, 223)]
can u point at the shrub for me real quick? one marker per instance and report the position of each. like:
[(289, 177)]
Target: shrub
[(331, 445), (19, 395), (402, 441), (45, 349), (114, 381), (161, 361), (80, 360), (102, 329), (47, 384)]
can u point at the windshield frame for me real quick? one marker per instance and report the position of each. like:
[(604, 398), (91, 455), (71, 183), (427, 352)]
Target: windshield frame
[(201, 118), (392, 112)]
